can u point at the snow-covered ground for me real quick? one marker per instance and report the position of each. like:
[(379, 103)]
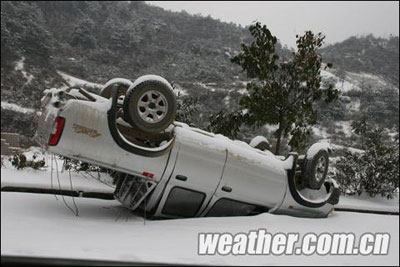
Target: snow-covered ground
[(20, 66), (74, 81), (342, 84), (179, 91), (42, 178), (40, 225), (15, 107), (365, 202), (353, 80)]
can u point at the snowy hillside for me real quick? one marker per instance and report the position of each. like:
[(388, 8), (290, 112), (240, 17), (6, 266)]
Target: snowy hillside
[(352, 82), (16, 108)]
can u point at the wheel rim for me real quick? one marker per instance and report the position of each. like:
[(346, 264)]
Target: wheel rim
[(320, 169), (152, 106)]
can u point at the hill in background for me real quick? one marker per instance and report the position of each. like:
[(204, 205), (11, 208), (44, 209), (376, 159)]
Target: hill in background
[(44, 42)]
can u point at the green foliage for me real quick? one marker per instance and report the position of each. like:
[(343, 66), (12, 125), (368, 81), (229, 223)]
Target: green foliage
[(81, 166), (18, 161), (282, 92), (23, 32), (226, 123), (78, 166), (135, 38), (131, 39), (83, 34), (376, 171), (186, 108)]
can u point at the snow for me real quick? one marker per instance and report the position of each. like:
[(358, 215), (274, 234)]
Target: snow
[(227, 100), (105, 230), (31, 178), (41, 178), (315, 148), (74, 81), (236, 148), (258, 139), (179, 91), (355, 81), (205, 86), (19, 66), (150, 77), (271, 127), (365, 202), (243, 91), (351, 149), (320, 131), (361, 79), (342, 85), (119, 81), (15, 107), (345, 127), (354, 105)]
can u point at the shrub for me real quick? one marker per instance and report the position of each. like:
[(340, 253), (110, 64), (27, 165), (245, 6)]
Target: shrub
[(19, 161), (78, 166), (376, 171)]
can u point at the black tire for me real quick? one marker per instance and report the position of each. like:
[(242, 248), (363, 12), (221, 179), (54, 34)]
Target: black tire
[(160, 99), (315, 169)]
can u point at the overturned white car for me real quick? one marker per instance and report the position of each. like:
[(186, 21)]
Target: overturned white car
[(173, 170)]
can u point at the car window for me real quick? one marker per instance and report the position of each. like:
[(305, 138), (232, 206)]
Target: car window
[(227, 207), (188, 208)]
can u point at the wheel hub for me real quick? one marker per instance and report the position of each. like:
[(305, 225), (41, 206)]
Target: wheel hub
[(320, 171), (152, 106)]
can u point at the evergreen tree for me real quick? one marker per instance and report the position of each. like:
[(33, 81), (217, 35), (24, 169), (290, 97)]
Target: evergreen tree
[(281, 92), (83, 34)]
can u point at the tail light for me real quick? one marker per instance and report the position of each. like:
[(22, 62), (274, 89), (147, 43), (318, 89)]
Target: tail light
[(148, 174), (57, 131)]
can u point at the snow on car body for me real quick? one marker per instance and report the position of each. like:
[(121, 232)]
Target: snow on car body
[(191, 174)]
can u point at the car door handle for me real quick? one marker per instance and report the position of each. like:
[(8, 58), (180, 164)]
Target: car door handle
[(226, 189), (181, 178)]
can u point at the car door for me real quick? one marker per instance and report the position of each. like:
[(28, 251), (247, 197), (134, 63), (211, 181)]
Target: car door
[(250, 180), (195, 177)]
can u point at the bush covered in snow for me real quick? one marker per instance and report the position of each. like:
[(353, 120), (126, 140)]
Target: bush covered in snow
[(375, 171), (81, 166), (19, 161)]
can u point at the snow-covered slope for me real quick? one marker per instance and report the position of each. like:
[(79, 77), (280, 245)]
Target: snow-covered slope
[(16, 107), (353, 80), (74, 81), (20, 66)]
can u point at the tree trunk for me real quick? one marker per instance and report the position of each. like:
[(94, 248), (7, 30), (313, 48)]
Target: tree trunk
[(278, 141)]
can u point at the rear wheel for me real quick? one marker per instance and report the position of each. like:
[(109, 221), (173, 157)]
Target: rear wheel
[(150, 106)]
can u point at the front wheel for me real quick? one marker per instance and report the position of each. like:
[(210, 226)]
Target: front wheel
[(150, 104), (316, 169)]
